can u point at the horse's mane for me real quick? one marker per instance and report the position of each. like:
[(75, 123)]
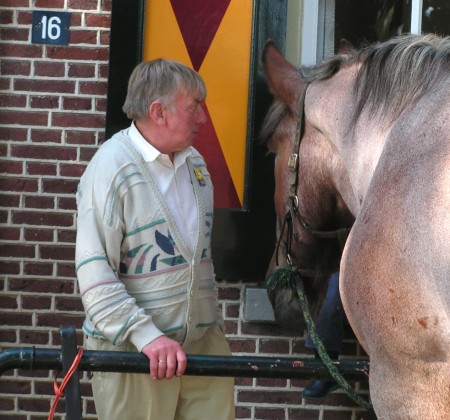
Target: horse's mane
[(393, 74), (275, 114)]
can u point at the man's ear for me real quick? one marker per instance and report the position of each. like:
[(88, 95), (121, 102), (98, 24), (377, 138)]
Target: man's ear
[(157, 112)]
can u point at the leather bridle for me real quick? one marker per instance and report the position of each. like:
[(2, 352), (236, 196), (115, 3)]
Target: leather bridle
[(293, 212)]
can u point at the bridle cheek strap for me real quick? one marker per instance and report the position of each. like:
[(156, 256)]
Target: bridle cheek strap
[(293, 204), (294, 158)]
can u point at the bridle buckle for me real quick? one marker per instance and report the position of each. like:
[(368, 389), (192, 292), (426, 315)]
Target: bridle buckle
[(293, 162)]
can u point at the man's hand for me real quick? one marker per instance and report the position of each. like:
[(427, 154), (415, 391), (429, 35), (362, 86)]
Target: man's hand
[(166, 356)]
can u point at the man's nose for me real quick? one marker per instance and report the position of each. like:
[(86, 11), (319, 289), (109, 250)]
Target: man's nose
[(201, 117)]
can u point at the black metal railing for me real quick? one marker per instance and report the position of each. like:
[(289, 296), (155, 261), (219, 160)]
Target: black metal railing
[(198, 365)]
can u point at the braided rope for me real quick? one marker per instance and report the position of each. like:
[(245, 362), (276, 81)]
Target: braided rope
[(334, 372), (286, 277)]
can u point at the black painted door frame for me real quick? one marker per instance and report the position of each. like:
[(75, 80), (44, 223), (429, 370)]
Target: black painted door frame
[(243, 240)]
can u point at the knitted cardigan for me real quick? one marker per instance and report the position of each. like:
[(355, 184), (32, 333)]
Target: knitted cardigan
[(138, 278)]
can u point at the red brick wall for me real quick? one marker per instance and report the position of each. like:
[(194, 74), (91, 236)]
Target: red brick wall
[(52, 117)]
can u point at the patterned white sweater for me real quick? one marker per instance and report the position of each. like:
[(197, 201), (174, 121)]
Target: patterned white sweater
[(138, 278)]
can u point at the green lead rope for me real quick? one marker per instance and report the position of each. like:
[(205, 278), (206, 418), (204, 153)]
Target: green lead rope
[(286, 277)]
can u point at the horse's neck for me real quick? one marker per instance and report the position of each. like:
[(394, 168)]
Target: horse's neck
[(361, 151), (330, 104), (400, 142)]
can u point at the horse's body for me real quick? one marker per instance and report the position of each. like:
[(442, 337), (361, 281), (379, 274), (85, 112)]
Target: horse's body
[(376, 143)]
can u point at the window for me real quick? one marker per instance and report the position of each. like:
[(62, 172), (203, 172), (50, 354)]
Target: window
[(436, 17), (326, 22)]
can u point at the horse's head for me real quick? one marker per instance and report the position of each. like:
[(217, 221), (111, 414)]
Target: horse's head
[(309, 208)]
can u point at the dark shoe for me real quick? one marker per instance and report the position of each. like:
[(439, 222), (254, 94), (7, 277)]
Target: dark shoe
[(319, 388)]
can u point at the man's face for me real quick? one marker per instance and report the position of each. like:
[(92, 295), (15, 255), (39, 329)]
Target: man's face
[(184, 118)]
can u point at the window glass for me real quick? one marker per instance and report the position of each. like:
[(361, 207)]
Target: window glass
[(363, 22), (436, 17)]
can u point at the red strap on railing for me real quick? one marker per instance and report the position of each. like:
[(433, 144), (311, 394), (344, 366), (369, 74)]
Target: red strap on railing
[(59, 390)]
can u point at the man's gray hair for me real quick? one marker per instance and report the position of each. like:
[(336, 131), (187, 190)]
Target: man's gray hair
[(160, 80)]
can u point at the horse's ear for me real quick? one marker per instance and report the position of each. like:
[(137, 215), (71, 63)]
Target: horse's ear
[(282, 77), (345, 46)]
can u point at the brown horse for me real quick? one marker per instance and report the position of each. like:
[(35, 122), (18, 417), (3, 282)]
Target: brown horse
[(371, 129)]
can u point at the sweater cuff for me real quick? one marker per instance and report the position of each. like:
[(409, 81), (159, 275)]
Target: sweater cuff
[(145, 334)]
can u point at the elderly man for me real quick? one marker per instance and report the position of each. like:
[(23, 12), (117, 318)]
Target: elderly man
[(143, 256)]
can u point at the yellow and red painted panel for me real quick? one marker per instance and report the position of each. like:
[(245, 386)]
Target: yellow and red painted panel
[(214, 38)]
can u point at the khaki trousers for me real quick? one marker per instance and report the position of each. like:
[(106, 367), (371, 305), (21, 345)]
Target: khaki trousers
[(125, 396)]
